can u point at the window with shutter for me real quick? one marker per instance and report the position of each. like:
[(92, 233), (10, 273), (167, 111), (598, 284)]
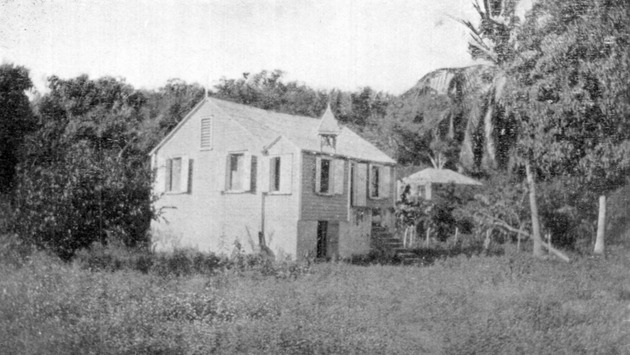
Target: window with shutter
[(324, 175), (241, 172), (235, 172), (176, 175), (206, 133)]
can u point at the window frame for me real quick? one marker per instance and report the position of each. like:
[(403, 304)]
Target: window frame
[(248, 177), (183, 175), (230, 173), (379, 188), (336, 170), (328, 179)]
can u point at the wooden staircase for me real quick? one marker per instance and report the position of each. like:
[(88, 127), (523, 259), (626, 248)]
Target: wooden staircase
[(388, 243)]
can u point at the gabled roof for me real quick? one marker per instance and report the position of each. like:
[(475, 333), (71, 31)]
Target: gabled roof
[(302, 131)]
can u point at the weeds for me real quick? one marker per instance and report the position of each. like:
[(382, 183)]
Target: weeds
[(187, 302)]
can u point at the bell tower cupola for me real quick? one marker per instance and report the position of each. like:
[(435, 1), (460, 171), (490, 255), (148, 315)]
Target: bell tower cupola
[(328, 131)]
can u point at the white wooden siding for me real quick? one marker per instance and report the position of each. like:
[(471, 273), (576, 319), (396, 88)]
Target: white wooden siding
[(210, 219)]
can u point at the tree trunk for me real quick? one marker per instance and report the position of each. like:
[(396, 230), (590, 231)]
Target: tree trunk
[(538, 251), (601, 226), (518, 238)]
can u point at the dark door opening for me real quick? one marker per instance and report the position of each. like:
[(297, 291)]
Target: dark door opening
[(322, 236), (327, 239)]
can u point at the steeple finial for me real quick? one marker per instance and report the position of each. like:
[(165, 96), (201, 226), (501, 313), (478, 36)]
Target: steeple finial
[(206, 92)]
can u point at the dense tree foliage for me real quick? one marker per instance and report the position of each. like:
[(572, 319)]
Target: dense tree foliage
[(571, 93), (83, 178), (16, 120), (266, 90), (569, 90)]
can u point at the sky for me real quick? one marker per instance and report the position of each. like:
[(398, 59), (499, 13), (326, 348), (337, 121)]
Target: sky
[(344, 44)]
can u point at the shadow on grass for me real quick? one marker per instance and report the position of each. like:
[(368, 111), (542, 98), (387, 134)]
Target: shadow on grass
[(423, 256)]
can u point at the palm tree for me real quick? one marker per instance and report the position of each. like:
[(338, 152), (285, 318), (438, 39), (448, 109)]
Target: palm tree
[(466, 104), (494, 40)]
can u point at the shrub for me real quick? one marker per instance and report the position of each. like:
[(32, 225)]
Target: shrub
[(113, 257), (183, 262)]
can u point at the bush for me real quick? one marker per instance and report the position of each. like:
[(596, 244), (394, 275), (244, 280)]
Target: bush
[(113, 258), (182, 262)]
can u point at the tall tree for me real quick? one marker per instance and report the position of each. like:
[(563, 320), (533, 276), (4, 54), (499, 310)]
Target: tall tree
[(569, 88), (84, 177), (471, 99), (16, 120), (495, 40)]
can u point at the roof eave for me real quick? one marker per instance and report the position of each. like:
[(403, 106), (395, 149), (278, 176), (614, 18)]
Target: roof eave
[(384, 161)]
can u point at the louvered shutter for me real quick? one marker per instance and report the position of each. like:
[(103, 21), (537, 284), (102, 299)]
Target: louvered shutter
[(176, 174), (228, 166), (160, 176), (253, 174), (338, 168), (191, 168), (385, 182), (167, 175), (318, 174), (371, 178), (206, 133), (184, 174), (245, 172), (286, 172), (360, 186)]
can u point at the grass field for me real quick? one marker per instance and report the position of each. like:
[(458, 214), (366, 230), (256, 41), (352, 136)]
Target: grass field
[(506, 304)]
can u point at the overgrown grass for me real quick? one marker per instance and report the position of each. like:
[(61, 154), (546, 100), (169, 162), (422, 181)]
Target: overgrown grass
[(462, 305)]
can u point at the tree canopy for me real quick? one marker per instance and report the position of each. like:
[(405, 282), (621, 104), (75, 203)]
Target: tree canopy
[(570, 92), (83, 178), (16, 120)]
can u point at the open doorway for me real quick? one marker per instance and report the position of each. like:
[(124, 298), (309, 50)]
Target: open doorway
[(327, 239)]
